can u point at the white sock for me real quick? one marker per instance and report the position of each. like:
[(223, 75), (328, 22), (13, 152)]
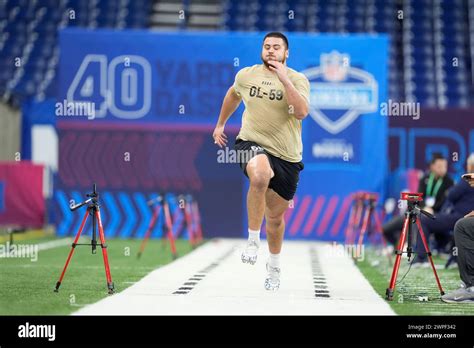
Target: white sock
[(255, 235), (274, 260)]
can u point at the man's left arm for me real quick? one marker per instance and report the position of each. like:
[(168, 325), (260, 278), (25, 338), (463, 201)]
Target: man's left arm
[(296, 94), (297, 104)]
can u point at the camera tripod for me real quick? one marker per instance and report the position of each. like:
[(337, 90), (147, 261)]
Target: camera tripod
[(161, 205), (369, 215), (94, 211), (364, 219), (187, 221), (412, 216), (191, 221)]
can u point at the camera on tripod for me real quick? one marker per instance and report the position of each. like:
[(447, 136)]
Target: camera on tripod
[(412, 218), (93, 210), (411, 196)]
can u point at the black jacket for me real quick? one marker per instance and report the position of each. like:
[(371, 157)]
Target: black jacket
[(460, 198), (440, 195)]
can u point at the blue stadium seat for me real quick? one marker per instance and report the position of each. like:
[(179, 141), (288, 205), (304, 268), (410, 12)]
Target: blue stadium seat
[(36, 23), (431, 34)]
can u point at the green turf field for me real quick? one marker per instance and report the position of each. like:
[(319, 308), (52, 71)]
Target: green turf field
[(418, 282), (26, 287)]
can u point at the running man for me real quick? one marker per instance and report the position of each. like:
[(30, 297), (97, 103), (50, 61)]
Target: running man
[(276, 100)]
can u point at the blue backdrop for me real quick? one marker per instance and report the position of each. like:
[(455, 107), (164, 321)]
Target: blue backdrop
[(138, 79)]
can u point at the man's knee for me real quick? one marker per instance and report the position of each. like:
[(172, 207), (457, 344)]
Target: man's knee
[(464, 227), (259, 180), (259, 174), (275, 222)]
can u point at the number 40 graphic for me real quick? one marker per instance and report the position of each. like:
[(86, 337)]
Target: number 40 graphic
[(122, 87)]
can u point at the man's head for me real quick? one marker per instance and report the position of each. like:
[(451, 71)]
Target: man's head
[(438, 165), (470, 163), (275, 47)]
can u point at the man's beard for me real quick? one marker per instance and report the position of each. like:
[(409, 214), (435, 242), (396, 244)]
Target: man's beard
[(268, 65)]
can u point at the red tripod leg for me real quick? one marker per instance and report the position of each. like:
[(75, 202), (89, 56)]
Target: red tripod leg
[(360, 209), (71, 252), (169, 227), (156, 213), (197, 219), (189, 225), (365, 227), (396, 266), (110, 284), (378, 226), (378, 223), (350, 222), (177, 213), (428, 252)]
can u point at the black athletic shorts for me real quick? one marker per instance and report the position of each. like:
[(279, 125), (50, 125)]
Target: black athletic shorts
[(287, 174)]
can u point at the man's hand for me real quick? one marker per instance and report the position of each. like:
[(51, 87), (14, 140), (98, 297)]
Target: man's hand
[(429, 210), (298, 105), (219, 137), (469, 177), (471, 214), (280, 69)]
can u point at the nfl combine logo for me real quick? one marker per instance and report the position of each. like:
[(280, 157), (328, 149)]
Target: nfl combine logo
[(339, 92)]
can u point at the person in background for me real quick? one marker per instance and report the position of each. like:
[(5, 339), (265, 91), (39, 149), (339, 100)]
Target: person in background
[(434, 185), (464, 238), (459, 202)]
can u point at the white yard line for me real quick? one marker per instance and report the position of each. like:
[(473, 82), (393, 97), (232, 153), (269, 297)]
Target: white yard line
[(48, 245), (54, 244), (228, 287)]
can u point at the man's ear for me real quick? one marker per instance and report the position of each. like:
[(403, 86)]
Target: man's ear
[(287, 54)]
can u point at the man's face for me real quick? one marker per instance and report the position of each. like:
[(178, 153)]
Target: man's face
[(469, 167), (274, 49), (440, 167)]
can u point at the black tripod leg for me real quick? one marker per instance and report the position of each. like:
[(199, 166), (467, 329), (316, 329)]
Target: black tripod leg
[(94, 232)]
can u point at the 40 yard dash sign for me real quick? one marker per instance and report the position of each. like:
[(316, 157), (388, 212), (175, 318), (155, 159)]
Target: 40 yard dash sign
[(121, 86)]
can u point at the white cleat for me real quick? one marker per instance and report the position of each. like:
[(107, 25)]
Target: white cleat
[(272, 282), (249, 255)]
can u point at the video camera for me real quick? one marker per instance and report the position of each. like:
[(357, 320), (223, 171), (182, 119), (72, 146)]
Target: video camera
[(411, 196)]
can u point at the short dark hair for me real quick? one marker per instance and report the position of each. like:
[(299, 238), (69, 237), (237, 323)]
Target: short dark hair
[(436, 156), (279, 35)]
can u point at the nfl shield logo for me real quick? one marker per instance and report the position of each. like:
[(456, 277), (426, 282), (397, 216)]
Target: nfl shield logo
[(335, 66), (339, 92)]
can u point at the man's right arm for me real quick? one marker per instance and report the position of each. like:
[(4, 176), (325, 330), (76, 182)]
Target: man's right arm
[(229, 105)]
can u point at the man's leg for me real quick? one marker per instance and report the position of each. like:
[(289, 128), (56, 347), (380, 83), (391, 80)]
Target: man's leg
[(259, 172), (275, 227), (444, 223), (392, 229), (275, 222), (464, 238)]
